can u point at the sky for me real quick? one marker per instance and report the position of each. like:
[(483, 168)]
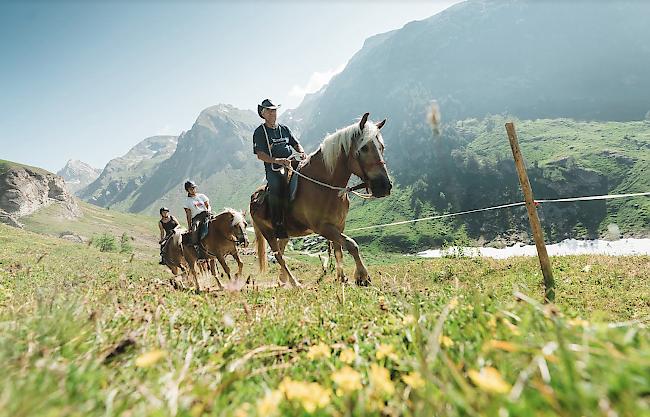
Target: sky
[(89, 80)]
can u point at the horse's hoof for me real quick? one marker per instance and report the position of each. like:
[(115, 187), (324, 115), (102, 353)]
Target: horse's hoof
[(363, 282)]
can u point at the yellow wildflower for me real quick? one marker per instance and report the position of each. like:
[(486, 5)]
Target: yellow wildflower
[(348, 356), (408, 320), (513, 328), (489, 380), (318, 351), (413, 380), (501, 345), (380, 380), (269, 404), (578, 322), (347, 379), (445, 341), (492, 323), (150, 358), (453, 303), (386, 351), (310, 395), (243, 410)]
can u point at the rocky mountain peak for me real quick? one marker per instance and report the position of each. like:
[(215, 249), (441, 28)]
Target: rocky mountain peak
[(78, 174)]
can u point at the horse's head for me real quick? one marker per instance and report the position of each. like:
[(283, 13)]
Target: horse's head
[(367, 157), (236, 226)]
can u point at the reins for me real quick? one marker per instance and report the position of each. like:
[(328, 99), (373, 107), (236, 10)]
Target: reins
[(341, 190)]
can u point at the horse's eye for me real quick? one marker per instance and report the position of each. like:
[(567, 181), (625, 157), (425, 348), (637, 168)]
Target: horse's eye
[(364, 148)]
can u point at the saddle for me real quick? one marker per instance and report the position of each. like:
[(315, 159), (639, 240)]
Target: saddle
[(259, 197), (197, 234)]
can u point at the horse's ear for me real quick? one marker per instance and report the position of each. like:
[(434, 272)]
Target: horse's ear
[(381, 124), (363, 121)]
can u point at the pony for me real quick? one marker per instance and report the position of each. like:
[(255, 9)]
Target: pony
[(226, 230), (357, 149)]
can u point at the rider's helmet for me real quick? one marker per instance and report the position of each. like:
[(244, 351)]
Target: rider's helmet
[(189, 184), (164, 209)]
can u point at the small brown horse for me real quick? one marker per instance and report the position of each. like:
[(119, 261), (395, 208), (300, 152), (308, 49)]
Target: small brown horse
[(173, 253), (357, 149), (225, 231)]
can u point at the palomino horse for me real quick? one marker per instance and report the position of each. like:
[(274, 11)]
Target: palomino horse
[(357, 149), (173, 253), (225, 231)]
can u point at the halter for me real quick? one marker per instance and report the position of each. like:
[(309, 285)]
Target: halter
[(345, 190)]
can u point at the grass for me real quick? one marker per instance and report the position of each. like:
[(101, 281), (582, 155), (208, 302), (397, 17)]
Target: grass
[(7, 165), (95, 222), (84, 333)]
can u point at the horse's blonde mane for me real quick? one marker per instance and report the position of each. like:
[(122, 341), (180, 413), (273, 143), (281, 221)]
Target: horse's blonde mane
[(237, 216), (341, 141)]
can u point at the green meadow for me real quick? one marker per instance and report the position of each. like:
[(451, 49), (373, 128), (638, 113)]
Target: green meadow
[(89, 333)]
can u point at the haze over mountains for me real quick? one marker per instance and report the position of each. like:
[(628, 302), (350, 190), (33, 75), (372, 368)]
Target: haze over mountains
[(525, 59)]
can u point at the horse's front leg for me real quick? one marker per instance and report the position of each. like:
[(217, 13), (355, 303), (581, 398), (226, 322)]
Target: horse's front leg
[(226, 268), (338, 255), (331, 232), (277, 247), (192, 263), (213, 270), (240, 264)]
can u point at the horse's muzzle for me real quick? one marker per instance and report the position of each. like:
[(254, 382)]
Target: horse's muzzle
[(242, 242), (380, 187)]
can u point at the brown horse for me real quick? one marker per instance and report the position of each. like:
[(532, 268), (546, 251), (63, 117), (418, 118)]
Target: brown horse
[(225, 231), (357, 149), (173, 253)]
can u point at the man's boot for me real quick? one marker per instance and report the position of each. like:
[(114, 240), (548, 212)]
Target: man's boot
[(277, 219)]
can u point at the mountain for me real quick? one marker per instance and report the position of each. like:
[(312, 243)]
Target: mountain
[(25, 190), (78, 174), (216, 153), (531, 59), (549, 66), (124, 175)]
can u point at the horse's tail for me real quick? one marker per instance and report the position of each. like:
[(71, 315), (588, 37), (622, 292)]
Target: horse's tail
[(260, 242)]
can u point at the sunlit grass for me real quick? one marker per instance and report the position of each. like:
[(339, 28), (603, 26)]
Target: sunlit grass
[(85, 333)]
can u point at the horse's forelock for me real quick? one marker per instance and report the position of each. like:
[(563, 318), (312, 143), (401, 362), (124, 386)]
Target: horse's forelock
[(342, 140), (237, 217)]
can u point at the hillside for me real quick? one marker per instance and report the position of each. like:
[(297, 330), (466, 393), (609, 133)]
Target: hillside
[(94, 222), (530, 59), (470, 166), (25, 190)]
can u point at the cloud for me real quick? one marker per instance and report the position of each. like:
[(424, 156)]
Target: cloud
[(316, 82)]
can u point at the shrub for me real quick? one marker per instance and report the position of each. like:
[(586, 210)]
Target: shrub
[(105, 242), (125, 244)]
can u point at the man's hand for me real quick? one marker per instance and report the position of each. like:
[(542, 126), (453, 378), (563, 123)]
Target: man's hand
[(283, 161)]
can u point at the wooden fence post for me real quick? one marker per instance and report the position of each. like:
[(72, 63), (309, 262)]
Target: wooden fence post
[(538, 234)]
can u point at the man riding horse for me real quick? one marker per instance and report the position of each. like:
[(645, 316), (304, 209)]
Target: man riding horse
[(197, 212), (321, 203), (272, 144)]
